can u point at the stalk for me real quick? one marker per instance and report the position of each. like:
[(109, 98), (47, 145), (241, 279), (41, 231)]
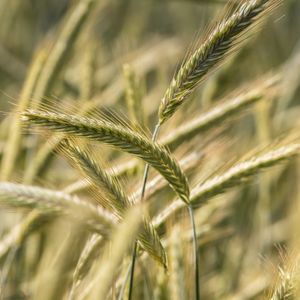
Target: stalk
[(192, 220), (135, 247), (195, 248)]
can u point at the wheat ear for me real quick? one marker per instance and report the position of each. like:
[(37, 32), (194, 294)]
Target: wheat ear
[(242, 171), (207, 120), (234, 176), (115, 135), (221, 112), (200, 124), (188, 163), (49, 201), (203, 122), (285, 290), (287, 285), (114, 197), (225, 38)]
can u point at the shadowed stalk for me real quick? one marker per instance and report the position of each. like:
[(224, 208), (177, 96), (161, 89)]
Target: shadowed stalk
[(123, 287)]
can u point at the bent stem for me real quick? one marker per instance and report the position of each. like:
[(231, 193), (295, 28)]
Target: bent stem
[(195, 256), (135, 248)]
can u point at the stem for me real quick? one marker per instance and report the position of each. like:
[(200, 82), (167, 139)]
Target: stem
[(132, 270), (135, 248), (192, 220), (146, 172), (196, 261)]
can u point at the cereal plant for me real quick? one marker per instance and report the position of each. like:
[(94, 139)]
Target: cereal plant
[(148, 149)]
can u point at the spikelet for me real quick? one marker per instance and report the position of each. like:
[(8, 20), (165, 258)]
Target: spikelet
[(233, 177), (114, 198), (224, 39), (117, 136)]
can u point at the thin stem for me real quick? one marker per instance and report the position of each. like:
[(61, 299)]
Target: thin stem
[(196, 260), (135, 248), (147, 167)]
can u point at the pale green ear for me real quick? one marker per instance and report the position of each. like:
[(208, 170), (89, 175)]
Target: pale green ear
[(115, 135), (223, 39), (111, 195)]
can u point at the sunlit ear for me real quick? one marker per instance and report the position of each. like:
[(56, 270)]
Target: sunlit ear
[(69, 147)]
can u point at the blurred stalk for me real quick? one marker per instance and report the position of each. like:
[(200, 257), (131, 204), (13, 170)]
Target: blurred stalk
[(13, 144), (264, 135), (87, 83), (177, 288), (134, 96)]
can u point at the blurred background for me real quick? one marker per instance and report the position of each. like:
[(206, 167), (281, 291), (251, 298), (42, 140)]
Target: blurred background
[(246, 236)]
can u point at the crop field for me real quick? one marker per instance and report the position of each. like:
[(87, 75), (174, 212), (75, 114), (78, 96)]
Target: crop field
[(149, 149)]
